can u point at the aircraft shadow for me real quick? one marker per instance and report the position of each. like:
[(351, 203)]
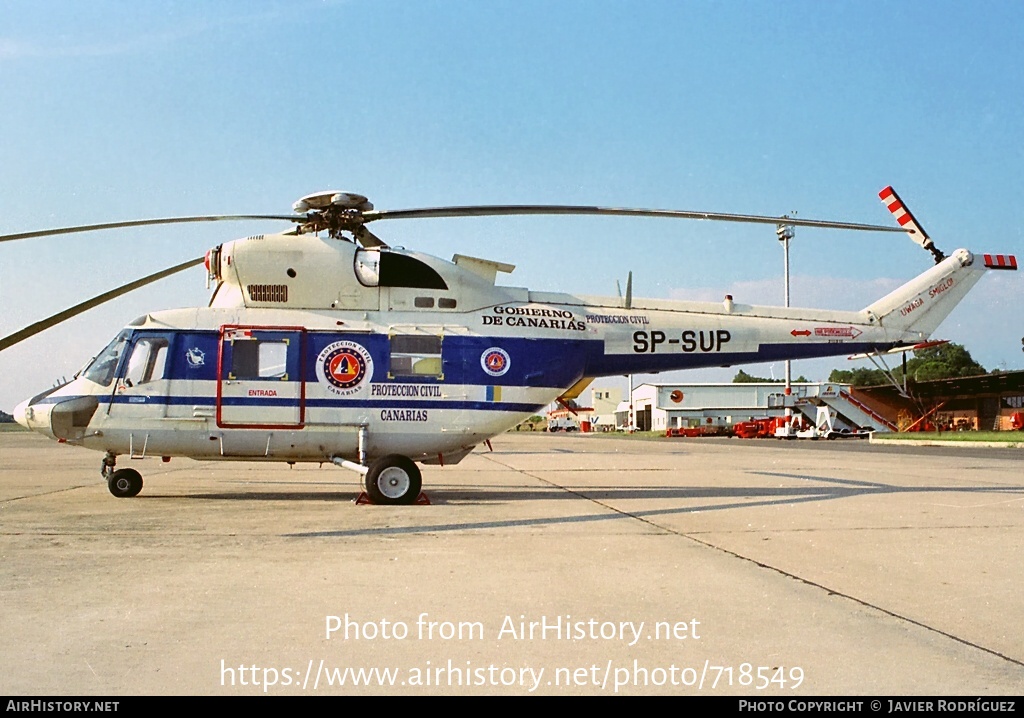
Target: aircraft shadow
[(713, 499), (331, 496)]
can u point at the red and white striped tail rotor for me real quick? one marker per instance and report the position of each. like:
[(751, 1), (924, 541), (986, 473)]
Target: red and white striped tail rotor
[(905, 219)]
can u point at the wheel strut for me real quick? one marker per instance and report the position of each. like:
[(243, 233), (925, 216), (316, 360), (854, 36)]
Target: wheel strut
[(107, 467)]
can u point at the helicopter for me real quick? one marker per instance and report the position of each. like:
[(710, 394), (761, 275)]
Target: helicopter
[(324, 344)]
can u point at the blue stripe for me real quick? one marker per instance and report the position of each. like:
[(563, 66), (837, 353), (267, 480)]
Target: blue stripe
[(551, 363), (546, 363), (258, 402)]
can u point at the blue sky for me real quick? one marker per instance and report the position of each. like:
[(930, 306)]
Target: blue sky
[(120, 110)]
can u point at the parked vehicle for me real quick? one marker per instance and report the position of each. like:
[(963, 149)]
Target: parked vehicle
[(562, 424)]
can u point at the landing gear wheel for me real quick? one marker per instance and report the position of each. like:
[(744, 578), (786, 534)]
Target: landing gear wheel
[(125, 483), (393, 479)]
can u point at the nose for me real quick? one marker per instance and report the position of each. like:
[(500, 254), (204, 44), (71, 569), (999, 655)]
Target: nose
[(21, 413)]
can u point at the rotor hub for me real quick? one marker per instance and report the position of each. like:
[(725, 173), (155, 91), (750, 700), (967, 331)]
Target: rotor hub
[(333, 211)]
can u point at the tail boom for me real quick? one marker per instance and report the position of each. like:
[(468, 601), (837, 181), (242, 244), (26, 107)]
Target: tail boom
[(916, 309)]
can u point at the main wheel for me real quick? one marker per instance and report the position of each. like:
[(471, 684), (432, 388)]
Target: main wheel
[(125, 483), (393, 479)]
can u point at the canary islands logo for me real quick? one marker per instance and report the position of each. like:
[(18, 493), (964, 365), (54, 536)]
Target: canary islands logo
[(344, 367), (196, 357), (495, 361)]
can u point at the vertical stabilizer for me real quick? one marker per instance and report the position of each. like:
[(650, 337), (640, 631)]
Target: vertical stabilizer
[(920, 305)]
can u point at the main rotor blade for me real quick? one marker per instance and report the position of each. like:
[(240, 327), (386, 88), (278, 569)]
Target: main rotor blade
[(149, 222), (367, 238), (59, 317), (506, 209)]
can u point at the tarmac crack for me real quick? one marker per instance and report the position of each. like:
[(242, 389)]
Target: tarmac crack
[(45, 493), (849, 597), (775, 569)]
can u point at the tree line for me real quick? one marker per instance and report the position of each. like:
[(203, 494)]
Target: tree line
[(946, 361)]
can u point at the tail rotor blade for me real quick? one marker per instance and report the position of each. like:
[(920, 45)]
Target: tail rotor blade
[(908, 222)]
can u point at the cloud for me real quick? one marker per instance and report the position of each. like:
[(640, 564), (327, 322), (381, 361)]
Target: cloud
[(66, 46), (22, 50)]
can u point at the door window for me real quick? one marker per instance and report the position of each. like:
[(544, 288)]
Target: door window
[(259, 359)]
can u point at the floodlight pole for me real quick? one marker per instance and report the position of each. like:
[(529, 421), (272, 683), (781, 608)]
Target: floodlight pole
[(785, 233)]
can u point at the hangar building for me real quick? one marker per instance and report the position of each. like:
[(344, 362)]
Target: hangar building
[(678, 406), (988, 402)]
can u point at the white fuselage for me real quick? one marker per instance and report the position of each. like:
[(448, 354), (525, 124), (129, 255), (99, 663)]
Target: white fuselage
[(309, 343)]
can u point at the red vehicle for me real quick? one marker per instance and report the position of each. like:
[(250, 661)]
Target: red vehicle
[(707, 429), (755, 429), (687, 431), (765, 428)]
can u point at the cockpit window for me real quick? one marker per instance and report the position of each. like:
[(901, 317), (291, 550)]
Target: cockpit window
[(375, 268), (103, 367)]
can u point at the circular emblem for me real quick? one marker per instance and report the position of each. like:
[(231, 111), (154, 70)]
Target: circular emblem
[(196, 357), (676, 396), (495, 361), (344, 367)]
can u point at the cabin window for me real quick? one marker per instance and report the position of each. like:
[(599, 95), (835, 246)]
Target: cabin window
[(375, 268), (415, 355), (147, 361), (256, 359), (424, 302), (446, 303)]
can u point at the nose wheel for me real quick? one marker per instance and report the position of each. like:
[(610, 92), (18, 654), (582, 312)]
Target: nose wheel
[(122, 483), (125, 483)]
